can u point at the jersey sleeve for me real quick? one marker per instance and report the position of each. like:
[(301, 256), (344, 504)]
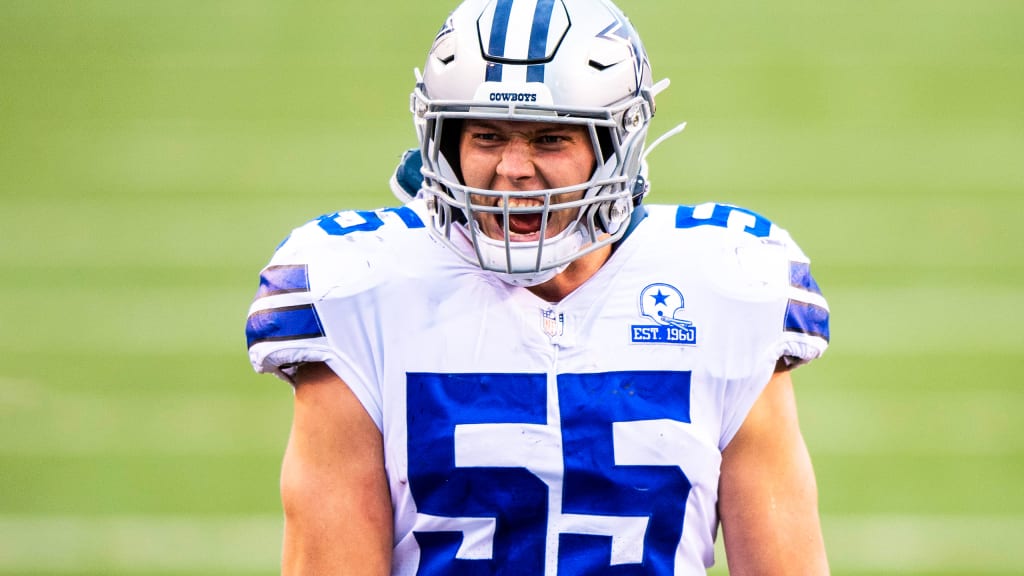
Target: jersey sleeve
[(805, 326), (284, 328), (773, 304), (311, 304)]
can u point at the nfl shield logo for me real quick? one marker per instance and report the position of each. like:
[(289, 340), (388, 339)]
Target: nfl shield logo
[(553, 323)]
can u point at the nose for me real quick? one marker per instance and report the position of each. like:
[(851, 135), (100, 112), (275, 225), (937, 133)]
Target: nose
[(516, 161)]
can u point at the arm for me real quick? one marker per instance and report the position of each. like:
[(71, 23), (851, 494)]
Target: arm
[(337, 505), (768, 499)]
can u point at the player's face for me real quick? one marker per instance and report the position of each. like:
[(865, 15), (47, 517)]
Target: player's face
[(522, 156)]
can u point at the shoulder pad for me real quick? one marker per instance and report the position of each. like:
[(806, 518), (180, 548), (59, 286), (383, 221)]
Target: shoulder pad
[(754, 258), (332, 256), (747, 225)]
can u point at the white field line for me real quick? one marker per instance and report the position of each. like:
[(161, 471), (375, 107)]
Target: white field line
[(885, 544)]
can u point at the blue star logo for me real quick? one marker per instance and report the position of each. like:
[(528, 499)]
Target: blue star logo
[(660, 299)]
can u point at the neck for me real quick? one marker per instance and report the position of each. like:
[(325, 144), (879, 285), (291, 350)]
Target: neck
[(581, 270)]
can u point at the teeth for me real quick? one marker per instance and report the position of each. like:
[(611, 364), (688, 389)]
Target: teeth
[(524, 202), (521, 202)]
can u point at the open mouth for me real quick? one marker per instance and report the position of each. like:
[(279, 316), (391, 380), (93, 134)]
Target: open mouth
[(523, 223)]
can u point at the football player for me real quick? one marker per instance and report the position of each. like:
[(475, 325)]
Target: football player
[(524, 369)]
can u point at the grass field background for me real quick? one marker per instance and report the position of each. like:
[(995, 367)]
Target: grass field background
[(153, 154)]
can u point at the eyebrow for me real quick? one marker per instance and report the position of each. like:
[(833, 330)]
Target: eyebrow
[(472, 123)]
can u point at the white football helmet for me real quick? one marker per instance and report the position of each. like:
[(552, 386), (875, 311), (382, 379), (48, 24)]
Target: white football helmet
[(568, 61)]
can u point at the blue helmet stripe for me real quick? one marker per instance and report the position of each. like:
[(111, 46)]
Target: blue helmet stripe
[(539, 39), (499, 28), (535, 73), (493, 72), (541, 27), (499, 33)]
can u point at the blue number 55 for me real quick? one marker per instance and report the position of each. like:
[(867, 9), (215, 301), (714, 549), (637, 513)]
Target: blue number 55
[(616, 508)]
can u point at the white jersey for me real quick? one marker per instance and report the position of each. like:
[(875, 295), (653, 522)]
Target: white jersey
[(526, 437)]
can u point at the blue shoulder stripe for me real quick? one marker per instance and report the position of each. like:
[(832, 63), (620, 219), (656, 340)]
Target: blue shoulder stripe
[(283, 280), (800, 277), (804, 318), (287, 323)]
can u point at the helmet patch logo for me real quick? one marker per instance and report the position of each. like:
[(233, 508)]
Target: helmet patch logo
[(663, 304)]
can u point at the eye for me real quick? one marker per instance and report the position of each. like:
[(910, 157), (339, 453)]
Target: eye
[(485, 138), (552, 141)]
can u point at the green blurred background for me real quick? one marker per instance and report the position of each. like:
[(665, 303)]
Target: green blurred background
[(153, 154)]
